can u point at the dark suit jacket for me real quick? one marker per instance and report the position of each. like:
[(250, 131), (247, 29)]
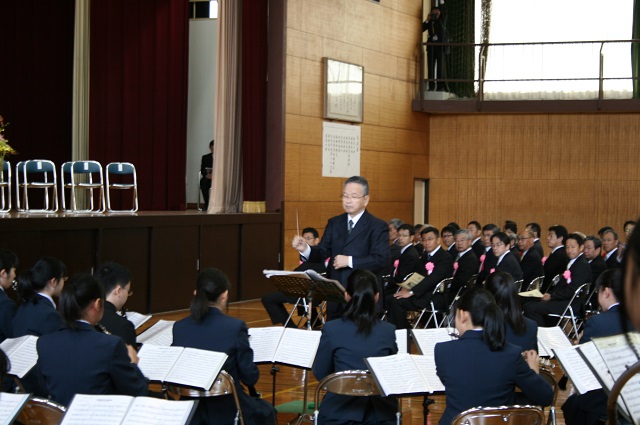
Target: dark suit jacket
[(467, 266), (453, 252), (612, 261), (531, 264), (478, 247), (556, 264), (489, 263), (85, 361), (597, 267), (526, 341), (37, 317), (368, 244), (225, 334), (511, 265), (7, 312), (607, 323), (538, 247), (580, 273), (206, 162), (442, 269), (476, 376), (406, 264), (342, 347), (118, 325)]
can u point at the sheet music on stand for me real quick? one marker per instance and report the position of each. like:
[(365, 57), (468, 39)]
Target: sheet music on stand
[(308, 284)]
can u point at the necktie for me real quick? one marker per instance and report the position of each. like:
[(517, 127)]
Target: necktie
[(350, 226)]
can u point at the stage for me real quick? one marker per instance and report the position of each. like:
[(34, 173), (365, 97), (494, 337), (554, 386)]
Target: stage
[(163, 249)]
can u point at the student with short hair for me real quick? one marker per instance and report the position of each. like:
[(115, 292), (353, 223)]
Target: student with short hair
[(8, 264), (116, 281)]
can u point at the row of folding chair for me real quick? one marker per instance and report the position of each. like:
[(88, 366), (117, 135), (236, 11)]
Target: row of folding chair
[(76, 178)]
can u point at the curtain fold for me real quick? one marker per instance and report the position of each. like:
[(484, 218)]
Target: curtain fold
[(138, 106), (226, 190), (635, 50)]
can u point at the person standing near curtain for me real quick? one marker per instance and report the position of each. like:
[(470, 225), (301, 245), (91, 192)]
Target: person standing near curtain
[(206, 170), (436, 25)]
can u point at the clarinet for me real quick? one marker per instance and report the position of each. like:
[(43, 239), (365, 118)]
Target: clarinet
[(100, 328)]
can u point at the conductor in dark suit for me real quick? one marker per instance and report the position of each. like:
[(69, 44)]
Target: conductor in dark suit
[(355, 239), (507, 262), (530, 260), (116, 281), (557, 261), (435, 265), (206, 168), (577, 273)]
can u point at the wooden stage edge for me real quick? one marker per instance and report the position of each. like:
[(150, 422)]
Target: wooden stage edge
[(164, 250)]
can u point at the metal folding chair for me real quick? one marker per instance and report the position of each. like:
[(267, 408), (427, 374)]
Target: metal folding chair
[(122, 170), (223, 385), (36, 174), (40, 411), (504, 415), (547, 375), (534, 284), (5, 187), (573, 313), (353, 383), (86, 176), (433, 311)]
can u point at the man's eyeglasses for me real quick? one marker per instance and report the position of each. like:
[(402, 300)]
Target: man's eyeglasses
[(346, 197)]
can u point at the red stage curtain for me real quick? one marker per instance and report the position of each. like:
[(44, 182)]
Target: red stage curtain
[(36, 76), (254, 98), (138, 105)]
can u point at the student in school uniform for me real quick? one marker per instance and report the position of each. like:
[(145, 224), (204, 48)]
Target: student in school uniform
[(116, 281), (8, 264), (37, 315), (79, 359), (345, 343), (481, 368), (208, 328)]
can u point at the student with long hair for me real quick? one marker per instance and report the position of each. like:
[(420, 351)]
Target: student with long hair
[(37, 315), (79, 359), (208, 328), (8, 264), (521, 331), (631, 298), (343, 346), (481, 368)]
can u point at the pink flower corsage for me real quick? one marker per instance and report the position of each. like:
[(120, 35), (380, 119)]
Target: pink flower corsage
[(455, 266), (544, 260), (493, 270), (567, 276), (482, 257), (429, 267), (395, 264)]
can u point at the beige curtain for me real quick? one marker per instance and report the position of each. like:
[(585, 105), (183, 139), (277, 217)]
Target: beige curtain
[(226, 189)]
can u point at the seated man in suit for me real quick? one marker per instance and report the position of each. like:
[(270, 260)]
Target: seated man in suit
[(394, 224), (417, 242), (610, 245), (435, 265), (506, 262), (591, 408), (487, 259), (556, 263), (448, 241), (576, 273), (465, 265), (535, 228), (274, 302), (406, 264), (475, 230), (530, 260), (593, 254), (116, 281)]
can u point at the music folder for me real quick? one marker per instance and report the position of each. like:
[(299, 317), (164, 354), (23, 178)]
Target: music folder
[(10, 405), (191, 367), (411, 280), (402, 374), (277, 344), (550, 338), (161, 333), (137, 319), (122, 409), (22, 354)]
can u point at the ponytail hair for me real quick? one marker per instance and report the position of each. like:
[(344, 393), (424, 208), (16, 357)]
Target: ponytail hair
[(77, 294), (362, 287), (35, 280), (482, 308), (210, 285), (501, 285)]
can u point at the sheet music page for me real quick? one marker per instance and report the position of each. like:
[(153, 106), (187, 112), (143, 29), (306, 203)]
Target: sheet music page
[(397, 374), (10, 406), (23, 354), (426, 339), (264, 342), (269, 273), (298, 347), (577, 369), (427, 367), (197, 368), (137, 318), (97, 409), (156, 361), (552, 338), (402, 341), (594, 360), (314, 275), (618, 356), (149, 410), (161, 333)]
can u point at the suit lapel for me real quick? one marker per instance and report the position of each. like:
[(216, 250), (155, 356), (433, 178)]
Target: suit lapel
[(359, 228)]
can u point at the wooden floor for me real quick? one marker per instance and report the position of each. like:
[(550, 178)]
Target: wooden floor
[(289, 383)]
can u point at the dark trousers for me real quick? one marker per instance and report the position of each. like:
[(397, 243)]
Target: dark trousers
[(205, 187), (435, 66), (274, 304)]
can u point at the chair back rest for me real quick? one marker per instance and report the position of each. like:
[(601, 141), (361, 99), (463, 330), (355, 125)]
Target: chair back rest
[(512, 415), (472, 281), (443, 286), (121, 168), (6, 166), (354, 383), (535, 283), (223, 385), (547, 375), (39, 411), (519, 284), (38, 166), (581, 292), (86, 167)]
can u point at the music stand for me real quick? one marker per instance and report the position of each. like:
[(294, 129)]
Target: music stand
[(314, 288)]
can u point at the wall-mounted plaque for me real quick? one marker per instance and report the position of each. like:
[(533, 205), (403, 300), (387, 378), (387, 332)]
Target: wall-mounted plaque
[(343, 96)]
